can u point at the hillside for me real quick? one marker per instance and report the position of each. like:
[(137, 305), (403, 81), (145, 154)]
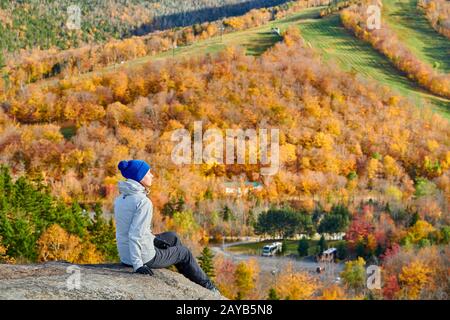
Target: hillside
[(48, 281), (359, 151), (327, 35), (42, 24), (412, 27), (337, 45), (174, 92), (387, 42)]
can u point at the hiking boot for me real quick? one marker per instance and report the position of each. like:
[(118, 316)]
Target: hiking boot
[(215, 291), (211, 287)]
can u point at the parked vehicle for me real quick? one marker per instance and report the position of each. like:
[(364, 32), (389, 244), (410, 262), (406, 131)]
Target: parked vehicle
[(271, 249)]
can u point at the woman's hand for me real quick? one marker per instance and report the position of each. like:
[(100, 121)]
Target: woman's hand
[(145, 270)]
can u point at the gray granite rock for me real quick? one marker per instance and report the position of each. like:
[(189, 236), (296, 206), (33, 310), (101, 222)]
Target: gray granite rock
[(62, 280)]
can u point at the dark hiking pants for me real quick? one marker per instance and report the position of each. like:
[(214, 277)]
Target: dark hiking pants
[(180, 256)]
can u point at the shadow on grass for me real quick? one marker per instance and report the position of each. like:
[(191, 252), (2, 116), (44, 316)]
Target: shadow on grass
[(339, 45), (265, 41), (331, 30), (437, 47)]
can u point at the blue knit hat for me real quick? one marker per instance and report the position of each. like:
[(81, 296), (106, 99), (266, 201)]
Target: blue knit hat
[(134, 169)]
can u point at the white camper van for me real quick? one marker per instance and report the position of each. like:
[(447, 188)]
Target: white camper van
[(271, 249)]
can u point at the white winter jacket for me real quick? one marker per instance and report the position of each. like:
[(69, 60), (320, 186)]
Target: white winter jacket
[(133, 213)]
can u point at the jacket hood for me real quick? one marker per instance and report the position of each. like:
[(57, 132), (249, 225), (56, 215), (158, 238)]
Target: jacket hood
[(130, 187)]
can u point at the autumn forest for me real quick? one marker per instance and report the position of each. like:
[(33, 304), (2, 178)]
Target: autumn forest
[(359, 157)]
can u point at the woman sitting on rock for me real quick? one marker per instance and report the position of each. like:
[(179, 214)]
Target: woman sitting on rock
[(137, 246)]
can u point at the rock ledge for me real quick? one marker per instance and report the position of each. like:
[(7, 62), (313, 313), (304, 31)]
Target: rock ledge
[(62, 280)]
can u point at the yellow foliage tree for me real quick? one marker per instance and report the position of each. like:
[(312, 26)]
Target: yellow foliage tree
[(354, 274), (293, 285), (119, 85), (323, 140), (372, 168), (420, 230), (333, 292), (4, 258), (432, 145), (394, 193), (57, 244), (89, 254), (414, 278), (118, 113), (288, 153), (291, 36), (245, 278), (390, 167)]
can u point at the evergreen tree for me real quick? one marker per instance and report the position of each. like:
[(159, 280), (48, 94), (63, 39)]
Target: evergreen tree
[(415, 217), (209, 195), (98, 222), (206, 262), (103, 234), (227, 214), (284, 223), (445, 234), (303, 246), (379, 250), (273, 295), (342, 250), (27, 209), (284, 246), (322, 244), (336, 221), (360, 249)]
